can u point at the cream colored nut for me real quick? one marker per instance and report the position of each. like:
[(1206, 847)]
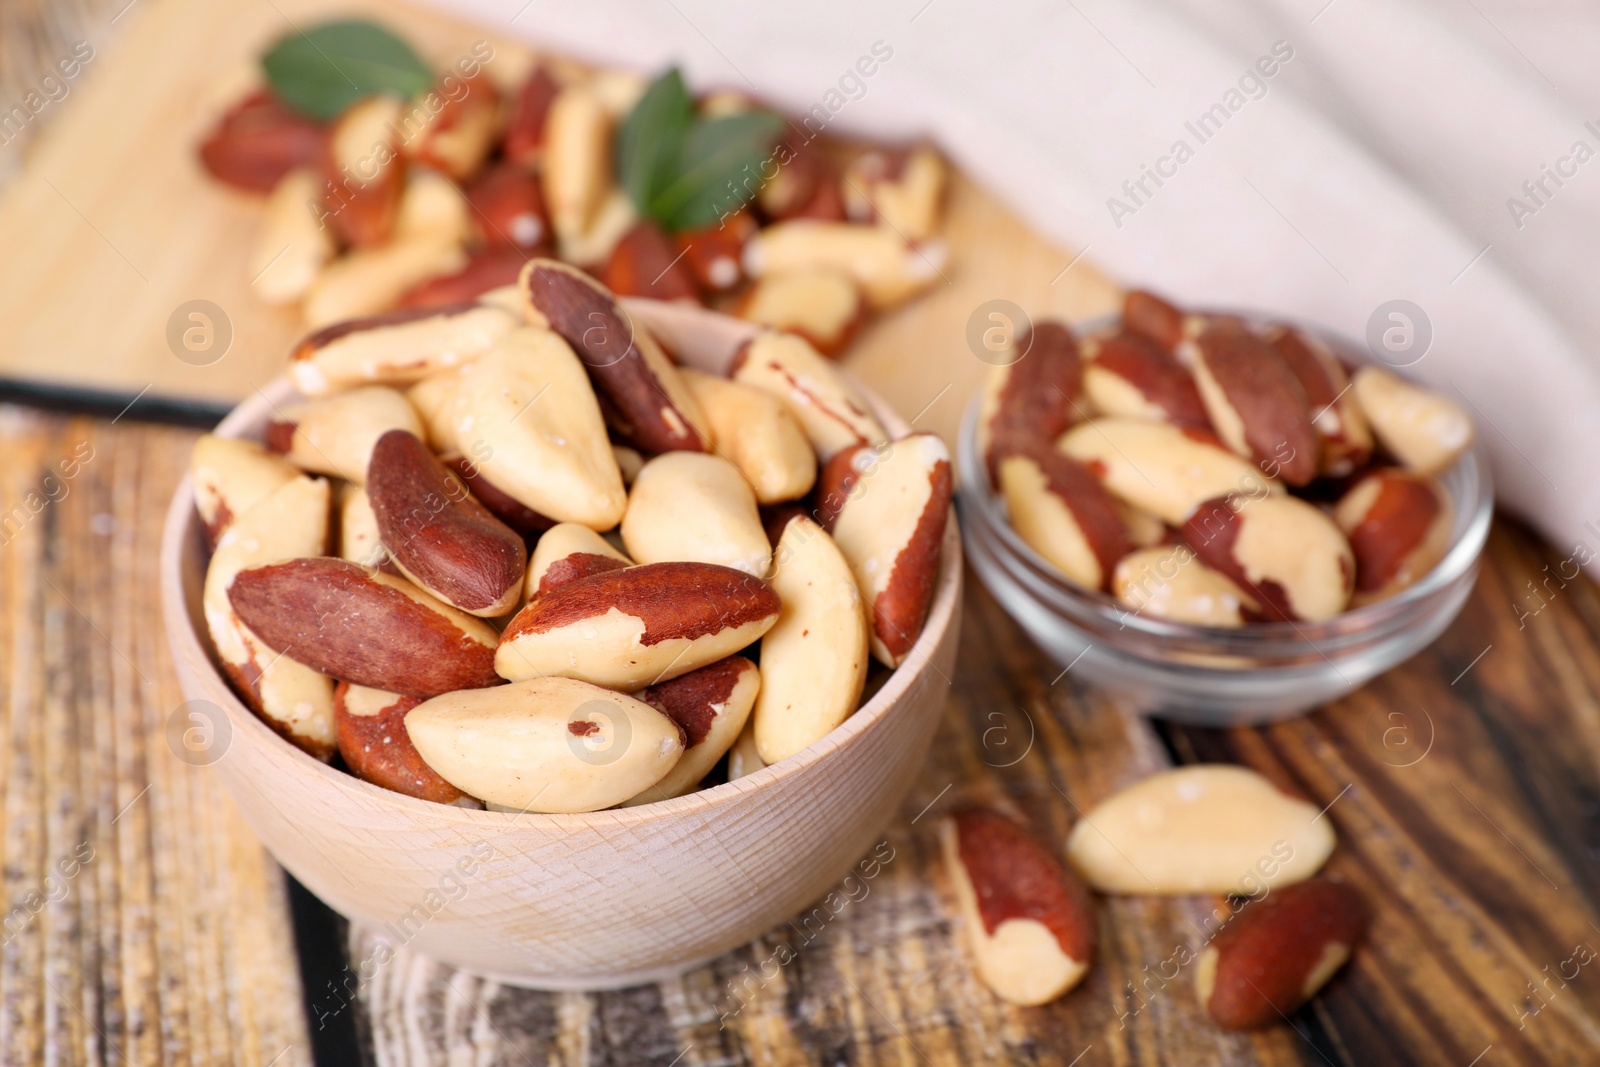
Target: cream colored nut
[(904, 194), (370, 280), (711, 706), (545, 744), (363, 174), (398, 347), (1399, 529), (887, 269), (569, 551), (1144, 529), (1285, 554), (358, 529), (814, 660), (754, 431), (1209, 828), (822, 305), (526, 411), (629, 462), (637, 626), (1059, 509), (1166, 470), (577, 160), (292, 245), (743, 758), (458, 137), (1255, 401), (230, 477), (617, 90), (891, 529), (335, 434), (1170, 583), (433, 207), (507, 298), (1028, 920), (1422, 429), (832, 412), (297, 701), (592, 247), (698, 508), (430, 398)]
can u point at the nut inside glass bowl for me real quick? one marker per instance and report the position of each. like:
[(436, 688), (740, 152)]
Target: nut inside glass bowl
[(1208, 675)]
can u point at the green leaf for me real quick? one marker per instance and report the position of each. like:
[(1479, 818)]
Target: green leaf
[(718, 170), (329, 67), (648, 141)]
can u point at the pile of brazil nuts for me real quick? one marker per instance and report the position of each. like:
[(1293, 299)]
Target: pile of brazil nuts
[(441, 196), (1275, 932), (371, 592), (1209, 470)]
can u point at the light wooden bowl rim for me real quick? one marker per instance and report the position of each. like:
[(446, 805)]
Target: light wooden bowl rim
[(180, 535)]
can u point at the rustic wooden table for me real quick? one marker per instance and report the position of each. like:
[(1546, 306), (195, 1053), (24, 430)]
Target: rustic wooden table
[(144, 925)]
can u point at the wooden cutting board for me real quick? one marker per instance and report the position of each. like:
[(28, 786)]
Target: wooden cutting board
[(113, 229)]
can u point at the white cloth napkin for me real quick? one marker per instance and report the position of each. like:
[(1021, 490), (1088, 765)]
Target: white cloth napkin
[(1379, 161)]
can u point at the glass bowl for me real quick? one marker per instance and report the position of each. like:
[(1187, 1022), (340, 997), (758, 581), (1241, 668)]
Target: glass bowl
[(1206, 675)]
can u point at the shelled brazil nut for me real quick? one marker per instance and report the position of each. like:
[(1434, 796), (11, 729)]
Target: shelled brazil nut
[(1217, 470), (438, 575)]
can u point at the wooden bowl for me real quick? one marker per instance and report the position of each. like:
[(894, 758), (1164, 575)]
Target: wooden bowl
[(591, 901)]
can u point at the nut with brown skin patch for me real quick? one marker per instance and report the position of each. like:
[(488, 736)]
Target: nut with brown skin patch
[(366, 281), (525, 414), (363, 172), (295, 700), (364, 626), (626, 364), (291, 245), (754, 431), (646, 263), (523, 143), (891, 528), (877, 259), (1276, 954), (456, 139), (396, 347), (484, 272), (806, 186), (1399, 526), (1029, 921), (259, 140), (1128, 375), (1255, 402), (568, 552), (1206, 828), (1149, 315), (714, 254), (1063, 512), (375, 746), (823, 306), (230, 477), (1422, 429), (711, 706), (439, 536), (829, 409), (546, 744), (903, 190), (1033, 398), (638, 626), (502, 505), (433, 207), (1165, 470), (1341, 427), (814, 659), (1288, 556), (1169, 582), (335, 434), (508, 210), (696, 507)]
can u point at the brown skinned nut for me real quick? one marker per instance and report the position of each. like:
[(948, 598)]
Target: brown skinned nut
[(1276, 953), (637, 626), (1029, 921), (891, 529), (902, 190), (1063, 512), (626, 364), (364, 626), (1399, 526), (1149, 315), (711, 706), (1127, 374), (1255, 402), (363, 172), (646, 263), (1335, 414), (258, 141), (530, 107), (457, 138), (484, 272), (834, 415), (568, 552), (377, 749), (502, 505), (714, 254), (508, 209), (1286, 555), (439, 536), (1035, 396)]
